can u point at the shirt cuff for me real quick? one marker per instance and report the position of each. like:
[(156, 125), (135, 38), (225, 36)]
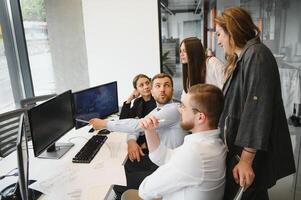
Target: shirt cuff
[(109, 125), (158, 155), (131, 137)]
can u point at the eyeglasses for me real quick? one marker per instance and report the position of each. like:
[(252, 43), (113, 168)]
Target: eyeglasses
[(195, 110)]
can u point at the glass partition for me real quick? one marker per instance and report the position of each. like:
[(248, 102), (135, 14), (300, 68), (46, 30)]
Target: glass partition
[(179, 19)]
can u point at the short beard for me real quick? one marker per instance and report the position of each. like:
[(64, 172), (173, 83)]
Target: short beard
[(187, 126), (163, 102)]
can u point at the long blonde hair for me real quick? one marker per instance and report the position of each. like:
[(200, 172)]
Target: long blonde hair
[(238, 24)]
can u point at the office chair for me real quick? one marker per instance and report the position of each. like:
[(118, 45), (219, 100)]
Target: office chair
[(9, 126), (30, 102), (132, 194)]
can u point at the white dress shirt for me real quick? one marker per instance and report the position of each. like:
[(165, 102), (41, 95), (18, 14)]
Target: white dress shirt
[(170, 132), (195, 170), (215, 72)]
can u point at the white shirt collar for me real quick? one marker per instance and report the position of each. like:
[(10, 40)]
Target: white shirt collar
[(215, 133)]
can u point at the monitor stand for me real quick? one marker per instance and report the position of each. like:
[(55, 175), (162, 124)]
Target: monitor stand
[(12, 192), (56, 150)]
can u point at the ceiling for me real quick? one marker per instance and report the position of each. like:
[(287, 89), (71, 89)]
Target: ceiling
[(182, 6)]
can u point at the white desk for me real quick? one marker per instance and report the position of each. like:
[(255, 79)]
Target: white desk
[(62, 179)]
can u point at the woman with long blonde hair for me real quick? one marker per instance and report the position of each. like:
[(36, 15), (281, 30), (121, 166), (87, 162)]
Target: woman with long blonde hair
[(253, 121)]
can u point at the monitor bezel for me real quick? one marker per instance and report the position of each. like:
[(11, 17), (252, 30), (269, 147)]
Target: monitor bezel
[(88, 89), (36, 152), (23, 176)]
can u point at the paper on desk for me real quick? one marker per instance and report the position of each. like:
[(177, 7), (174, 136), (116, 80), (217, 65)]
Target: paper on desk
[(61, 179), (77, 182), (86, 193)]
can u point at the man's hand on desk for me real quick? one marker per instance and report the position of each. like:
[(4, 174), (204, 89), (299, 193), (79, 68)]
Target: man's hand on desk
[(134, 150), (98, 123)]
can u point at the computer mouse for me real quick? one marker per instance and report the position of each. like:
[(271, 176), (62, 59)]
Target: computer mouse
[(91, 130), (103, 132)]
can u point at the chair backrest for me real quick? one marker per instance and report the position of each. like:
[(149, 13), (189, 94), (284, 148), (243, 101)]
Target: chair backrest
[(130, 194), (30, 102), (9, 126)]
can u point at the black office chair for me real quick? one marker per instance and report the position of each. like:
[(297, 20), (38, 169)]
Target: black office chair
[(30, 102), (9, 126)]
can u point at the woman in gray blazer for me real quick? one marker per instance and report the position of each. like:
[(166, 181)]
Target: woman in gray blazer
[(253, 120)]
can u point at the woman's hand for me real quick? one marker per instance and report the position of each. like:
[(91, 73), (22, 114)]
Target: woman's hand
[(243, 172), (133, 96)]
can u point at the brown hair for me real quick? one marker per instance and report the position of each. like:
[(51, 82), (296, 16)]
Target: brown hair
[(208, 99), (194, 71), (137, 77), (162, 75), (238, 24)]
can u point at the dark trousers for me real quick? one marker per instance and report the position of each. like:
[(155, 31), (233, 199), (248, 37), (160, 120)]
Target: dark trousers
[(135, 173), (252, 193)]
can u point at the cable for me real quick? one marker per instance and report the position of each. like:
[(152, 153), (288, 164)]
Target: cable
[(77, 137), (8, 174)]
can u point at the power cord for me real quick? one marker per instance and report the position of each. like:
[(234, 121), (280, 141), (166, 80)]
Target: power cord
[(75, 137), (9, 174)]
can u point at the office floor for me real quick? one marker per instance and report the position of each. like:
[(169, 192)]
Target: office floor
[(289, 188)]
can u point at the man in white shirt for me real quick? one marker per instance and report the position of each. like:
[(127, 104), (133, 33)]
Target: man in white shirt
[(196, 169)]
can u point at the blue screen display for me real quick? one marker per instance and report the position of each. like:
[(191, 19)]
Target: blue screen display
[(97, 102)]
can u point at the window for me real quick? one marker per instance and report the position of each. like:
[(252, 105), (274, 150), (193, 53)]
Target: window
[(6, 94), (36, 34)]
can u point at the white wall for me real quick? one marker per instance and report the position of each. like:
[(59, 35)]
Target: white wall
[(67, 43), (122, 40)]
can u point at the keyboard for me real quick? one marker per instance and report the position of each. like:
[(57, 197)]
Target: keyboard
[(89, 150)]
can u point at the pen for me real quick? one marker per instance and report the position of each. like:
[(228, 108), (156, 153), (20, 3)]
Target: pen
[(81, 120), (161, 120)]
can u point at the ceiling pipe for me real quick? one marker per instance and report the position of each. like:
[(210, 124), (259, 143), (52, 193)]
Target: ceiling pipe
[(167, 9), (198, 6)]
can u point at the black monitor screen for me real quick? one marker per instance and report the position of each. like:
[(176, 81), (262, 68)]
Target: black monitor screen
[(97, 102), (22, 155), (50, 120)]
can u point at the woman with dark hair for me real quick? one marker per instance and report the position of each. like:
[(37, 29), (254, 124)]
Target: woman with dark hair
[(143, 104), (143, 100), (197, 67), (253, 121)]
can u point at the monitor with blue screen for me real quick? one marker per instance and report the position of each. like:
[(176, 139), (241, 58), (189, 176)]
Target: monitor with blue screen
[(96, 102)]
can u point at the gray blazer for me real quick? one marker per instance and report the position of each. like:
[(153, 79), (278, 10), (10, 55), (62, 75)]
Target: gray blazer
[(254, 116)]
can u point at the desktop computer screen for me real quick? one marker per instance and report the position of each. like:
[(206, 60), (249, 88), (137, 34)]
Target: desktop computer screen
[(49, 121), (96, 102)]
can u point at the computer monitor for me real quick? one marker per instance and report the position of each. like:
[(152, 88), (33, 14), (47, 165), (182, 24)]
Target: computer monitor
[(96, 102), (48, 122)]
